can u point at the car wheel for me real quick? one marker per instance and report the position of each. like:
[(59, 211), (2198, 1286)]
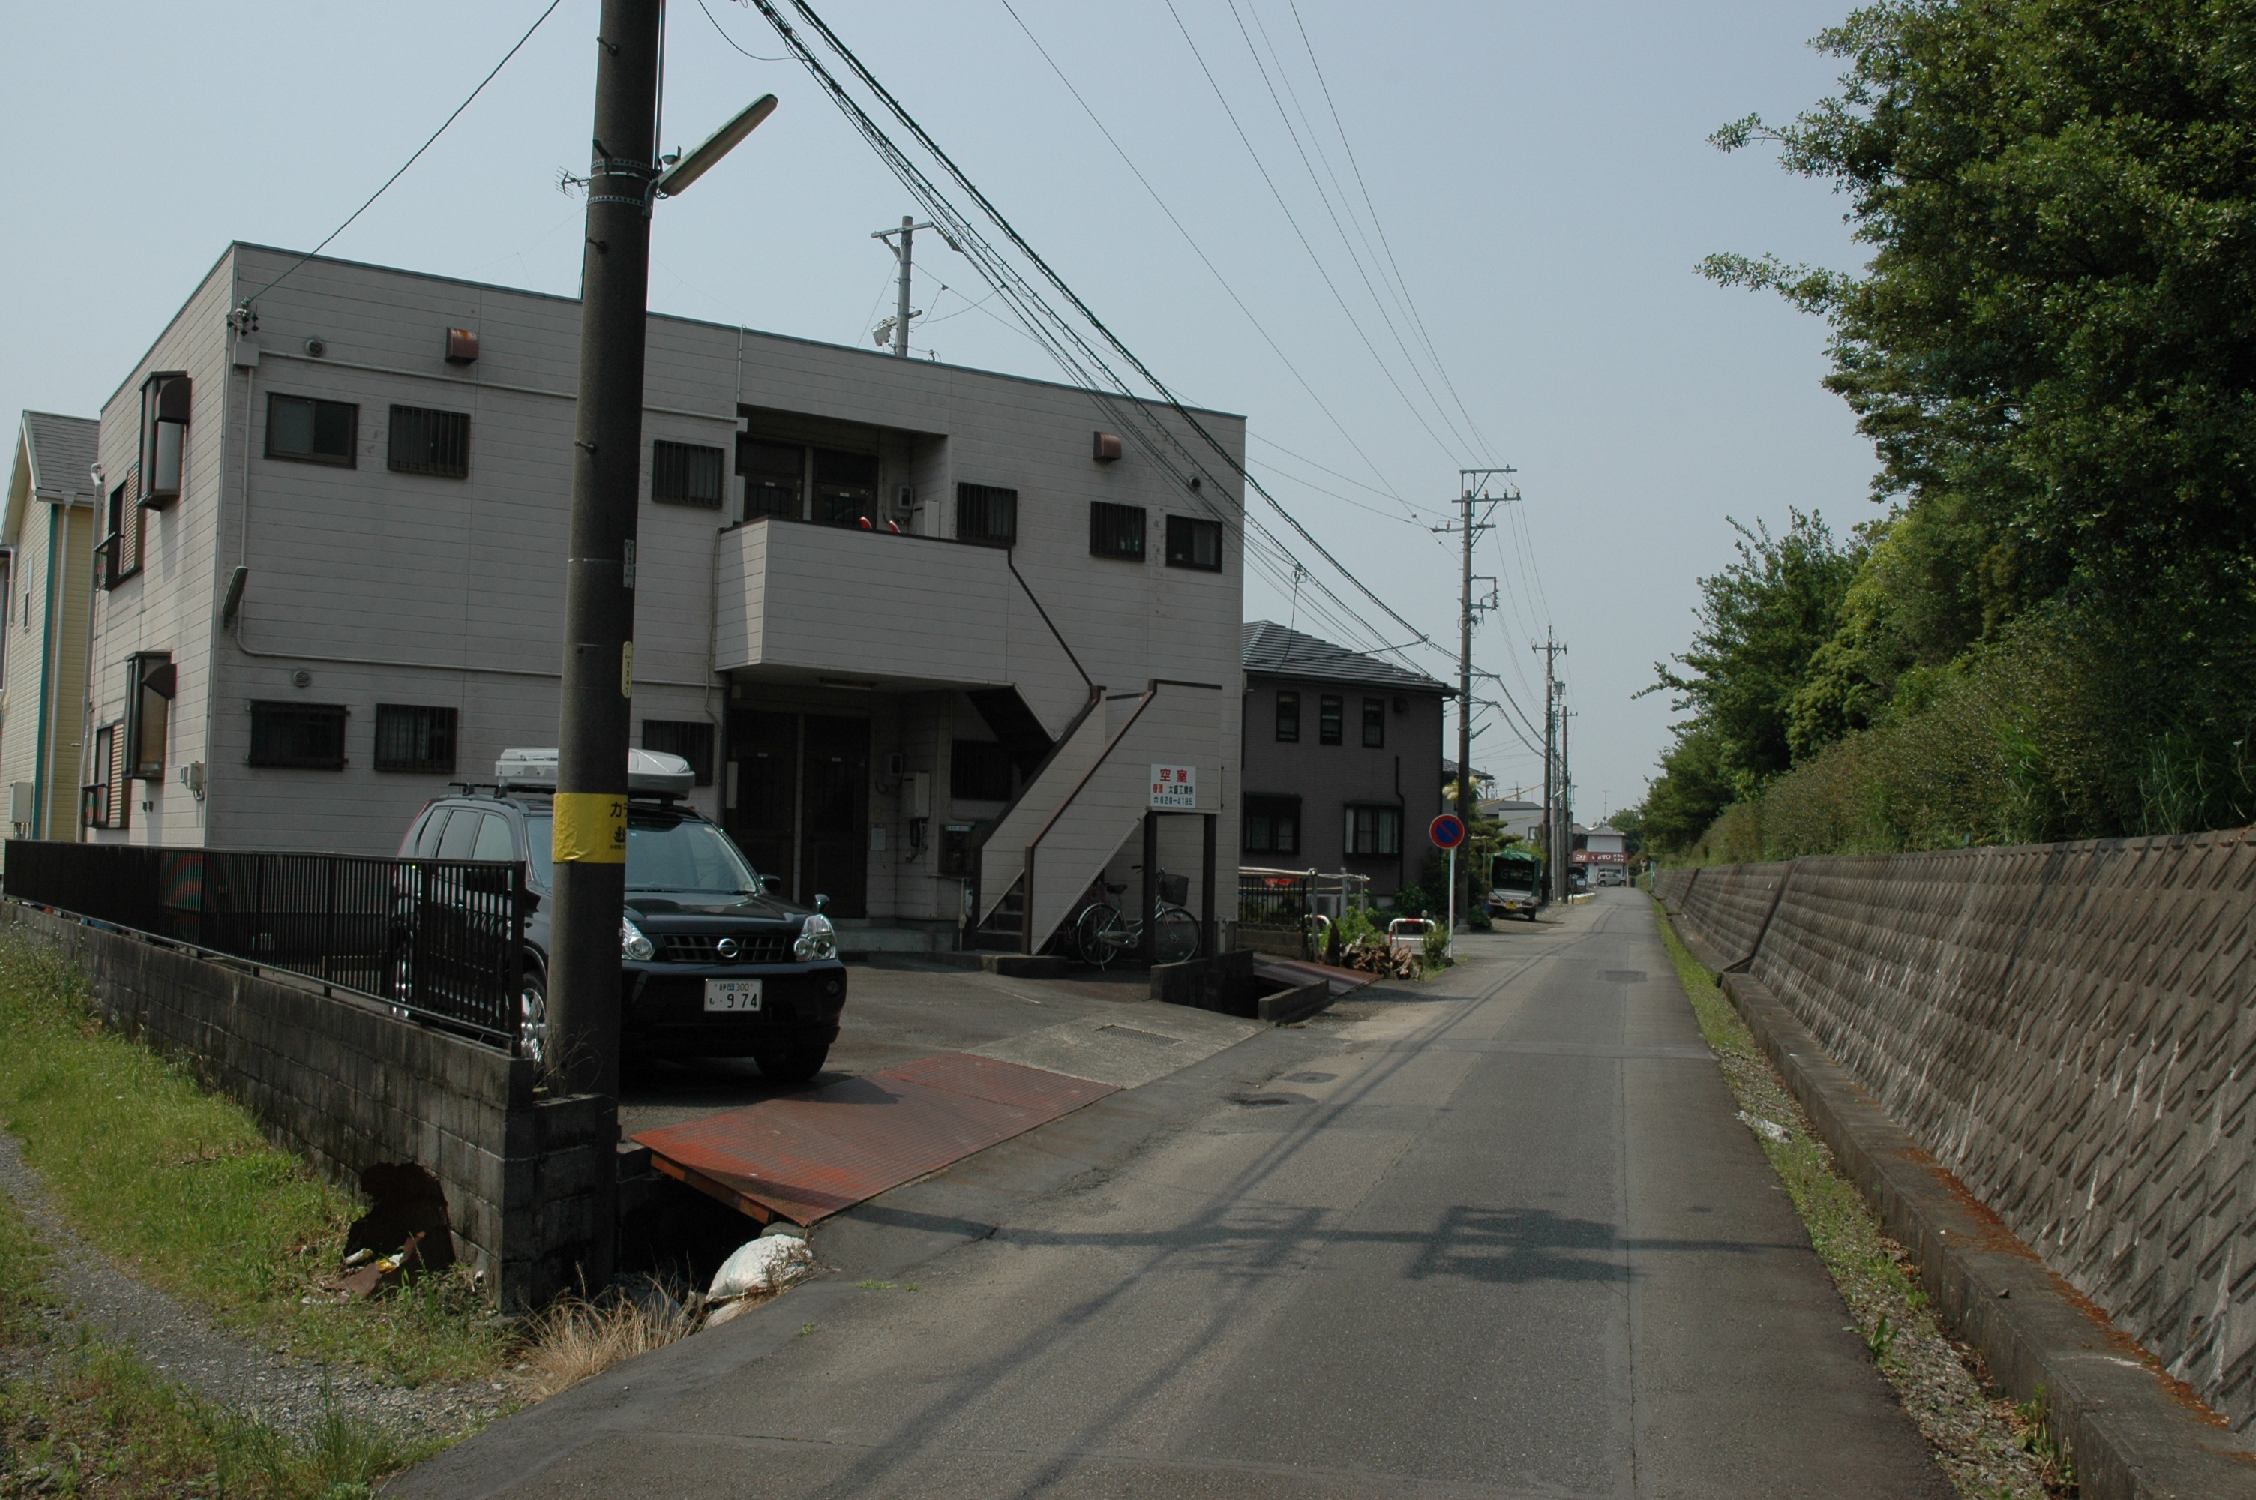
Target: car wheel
[(532, 1016), (791, 1062)]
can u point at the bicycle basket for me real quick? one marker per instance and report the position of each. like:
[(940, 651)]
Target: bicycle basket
[(1174, 889)]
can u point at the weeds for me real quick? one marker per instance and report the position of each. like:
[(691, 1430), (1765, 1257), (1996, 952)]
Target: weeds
[(578, 1337)]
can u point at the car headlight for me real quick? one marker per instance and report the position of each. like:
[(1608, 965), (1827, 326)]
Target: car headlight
[(632, 944), (817, 939)]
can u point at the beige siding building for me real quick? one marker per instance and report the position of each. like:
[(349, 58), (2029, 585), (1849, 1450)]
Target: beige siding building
[(923, 640), (46, 572)]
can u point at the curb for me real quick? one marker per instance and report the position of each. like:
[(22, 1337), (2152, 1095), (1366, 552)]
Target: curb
[(1288, 1006), (2133, 1433)]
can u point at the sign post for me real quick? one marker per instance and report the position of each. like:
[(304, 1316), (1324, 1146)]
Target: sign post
[(1447, 832)]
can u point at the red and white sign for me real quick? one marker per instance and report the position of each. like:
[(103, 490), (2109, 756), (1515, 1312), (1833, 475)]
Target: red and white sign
[(1175, 787)]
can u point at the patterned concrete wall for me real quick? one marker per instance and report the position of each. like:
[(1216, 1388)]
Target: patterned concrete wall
[(1672, 886), (1725, 909), (2071, 1030)]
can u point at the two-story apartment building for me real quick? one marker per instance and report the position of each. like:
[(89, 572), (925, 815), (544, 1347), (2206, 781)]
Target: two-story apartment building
[(920, 629), (46, 569), (1342, 758)]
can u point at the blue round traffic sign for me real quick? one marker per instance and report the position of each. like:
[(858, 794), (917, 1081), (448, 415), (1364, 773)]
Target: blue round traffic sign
[(1448, 831)]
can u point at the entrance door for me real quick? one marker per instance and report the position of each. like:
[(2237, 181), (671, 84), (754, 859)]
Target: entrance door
[(835, 814), (764, 754)]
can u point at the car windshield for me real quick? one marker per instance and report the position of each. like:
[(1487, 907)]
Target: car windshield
[(663, 854)]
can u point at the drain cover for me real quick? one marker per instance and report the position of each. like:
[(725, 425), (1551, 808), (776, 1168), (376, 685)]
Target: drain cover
[(1263, 1101), (1141, 1036)]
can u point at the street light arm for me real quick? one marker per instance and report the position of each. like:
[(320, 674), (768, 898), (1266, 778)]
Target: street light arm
[(697, 163)]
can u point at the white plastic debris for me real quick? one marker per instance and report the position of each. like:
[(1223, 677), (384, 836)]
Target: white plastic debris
[(1769, 1130), (761, 1265)]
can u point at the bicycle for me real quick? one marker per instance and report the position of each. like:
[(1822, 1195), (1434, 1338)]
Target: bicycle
[(1103, 932)]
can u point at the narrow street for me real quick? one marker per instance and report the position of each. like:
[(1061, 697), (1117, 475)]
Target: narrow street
[(1499, 1234)]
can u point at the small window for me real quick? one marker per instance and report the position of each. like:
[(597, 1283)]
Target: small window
[(685, 474), (149, 682), (1374, 723), (691, 739), (986, 513), (102, 802), (120, 547), (1192, 543), (1116, 531), (164, 437), (1288, 718), (309, 430), (1272, 825), (428, 441), (298, 736), (775, 477), (845, 486), (414, 737), (1373, 830), (979, 771), (1330, 720)]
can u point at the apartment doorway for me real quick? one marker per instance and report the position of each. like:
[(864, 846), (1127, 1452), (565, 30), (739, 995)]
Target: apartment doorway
[(800, 810)]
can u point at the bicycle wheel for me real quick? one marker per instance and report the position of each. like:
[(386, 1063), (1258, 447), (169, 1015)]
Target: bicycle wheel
[(1100, 934), (1175, 935)]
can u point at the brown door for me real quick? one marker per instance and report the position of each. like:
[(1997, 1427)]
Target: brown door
[(764, 752), (835, 814)]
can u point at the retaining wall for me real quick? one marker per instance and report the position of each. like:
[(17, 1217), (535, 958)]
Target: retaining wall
[(2071, 1031), (1728, 906), (346, 1085)]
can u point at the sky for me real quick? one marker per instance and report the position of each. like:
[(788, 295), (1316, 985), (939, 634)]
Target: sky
[(1402, 241)]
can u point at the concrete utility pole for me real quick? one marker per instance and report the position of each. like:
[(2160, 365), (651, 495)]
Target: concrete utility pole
[(1566, 798), (904, 252), (1554, 866), (1472, 487)]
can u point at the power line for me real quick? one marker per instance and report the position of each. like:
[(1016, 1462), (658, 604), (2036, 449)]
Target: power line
[(411, 161), (732, 41)]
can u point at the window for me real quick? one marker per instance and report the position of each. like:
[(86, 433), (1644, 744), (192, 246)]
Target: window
[(164, 437), (1192, 543), (979, 771), (845, 486), (1272, 825), (1116, 531), (1288, 718), (414, 737), (428, 441), (685, 474), (1374, 723), (691, 739), (774, 478), (149, 681), (103, 803), (1328, 720), (120, 548), (1373, 830), (310, 430), (298, 736), (986, 513)]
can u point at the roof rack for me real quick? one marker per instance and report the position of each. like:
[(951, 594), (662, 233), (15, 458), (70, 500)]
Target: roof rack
[(648, 771)]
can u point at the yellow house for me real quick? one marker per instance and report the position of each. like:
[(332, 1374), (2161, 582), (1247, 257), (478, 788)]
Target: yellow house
[(46, 583)]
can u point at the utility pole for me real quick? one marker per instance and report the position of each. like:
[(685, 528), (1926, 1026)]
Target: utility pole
[(1472, 487), (1566, 796), (904, 252), (1553, 865)]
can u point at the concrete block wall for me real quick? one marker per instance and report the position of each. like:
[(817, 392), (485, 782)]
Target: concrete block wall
[(346, 1085), (1728, 906), (2071, 1031)]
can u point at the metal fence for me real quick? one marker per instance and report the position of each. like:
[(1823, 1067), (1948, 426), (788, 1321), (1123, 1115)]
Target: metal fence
[(1274, 899), (443, 939)]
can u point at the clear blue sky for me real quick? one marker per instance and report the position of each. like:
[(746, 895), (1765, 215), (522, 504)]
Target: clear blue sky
[(1539, 172)]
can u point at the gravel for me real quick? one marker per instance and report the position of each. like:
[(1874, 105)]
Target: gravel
[(181, 1345)]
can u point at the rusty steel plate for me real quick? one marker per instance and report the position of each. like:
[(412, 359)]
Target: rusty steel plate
[(808, 1156), (1294, 972)]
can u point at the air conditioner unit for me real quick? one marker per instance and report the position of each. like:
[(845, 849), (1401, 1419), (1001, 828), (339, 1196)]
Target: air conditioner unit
[(20, 803)]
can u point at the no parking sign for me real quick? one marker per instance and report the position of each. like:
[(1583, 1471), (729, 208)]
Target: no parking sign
[(1447, 831)]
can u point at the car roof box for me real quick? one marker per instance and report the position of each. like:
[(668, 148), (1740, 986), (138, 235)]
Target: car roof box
[(647, 771)]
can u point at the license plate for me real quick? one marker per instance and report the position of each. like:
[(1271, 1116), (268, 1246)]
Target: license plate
[(732, 994)]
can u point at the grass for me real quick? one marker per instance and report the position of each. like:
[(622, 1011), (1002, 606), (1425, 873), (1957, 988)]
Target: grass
[(579, 1338), (178, 1184), (1989, 1448)]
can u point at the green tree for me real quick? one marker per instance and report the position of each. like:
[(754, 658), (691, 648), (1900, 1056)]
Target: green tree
[(1692, 791)]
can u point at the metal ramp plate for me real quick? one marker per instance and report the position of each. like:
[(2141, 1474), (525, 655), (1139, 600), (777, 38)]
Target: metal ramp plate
[(808, 1156), (1294, 972)]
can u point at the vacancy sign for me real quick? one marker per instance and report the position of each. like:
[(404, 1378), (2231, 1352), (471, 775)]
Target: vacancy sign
[(1175, 786)]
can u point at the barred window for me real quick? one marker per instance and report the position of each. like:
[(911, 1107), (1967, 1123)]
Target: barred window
[(986, 513), (428, 441), (298, 736), (415, 737), (685, 474), (1329, 718), (775, 478), (1116, 531), (120, 547), (691, 739), (308, 430), (1192, 543), (845, 486)]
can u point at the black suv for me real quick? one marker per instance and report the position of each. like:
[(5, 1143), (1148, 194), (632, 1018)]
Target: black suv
[(711, 964)]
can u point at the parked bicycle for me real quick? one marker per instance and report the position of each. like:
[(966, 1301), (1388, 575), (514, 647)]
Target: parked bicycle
[(1103, 932)]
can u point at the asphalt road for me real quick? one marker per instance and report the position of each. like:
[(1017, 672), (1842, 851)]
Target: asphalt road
[(1500, 1234)]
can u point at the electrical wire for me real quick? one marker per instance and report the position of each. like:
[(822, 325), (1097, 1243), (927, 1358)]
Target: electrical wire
[(732, 41), (412, 159)]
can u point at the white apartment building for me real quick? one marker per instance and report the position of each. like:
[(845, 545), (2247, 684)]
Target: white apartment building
[(927, 633)]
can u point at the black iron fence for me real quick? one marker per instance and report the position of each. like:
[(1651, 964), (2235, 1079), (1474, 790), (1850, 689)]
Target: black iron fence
[(1274, 899), (443, 939)]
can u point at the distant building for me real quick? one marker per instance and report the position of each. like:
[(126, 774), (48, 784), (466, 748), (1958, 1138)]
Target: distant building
[(46, 584), (1342, 758)]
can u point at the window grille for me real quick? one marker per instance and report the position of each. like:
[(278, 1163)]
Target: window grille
[(425, 440)]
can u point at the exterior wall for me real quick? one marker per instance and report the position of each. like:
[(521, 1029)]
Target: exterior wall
[(1405, 772), (366, 586), (44, 689)]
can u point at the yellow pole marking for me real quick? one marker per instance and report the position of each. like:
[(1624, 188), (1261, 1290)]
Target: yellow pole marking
[(591, 828)]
